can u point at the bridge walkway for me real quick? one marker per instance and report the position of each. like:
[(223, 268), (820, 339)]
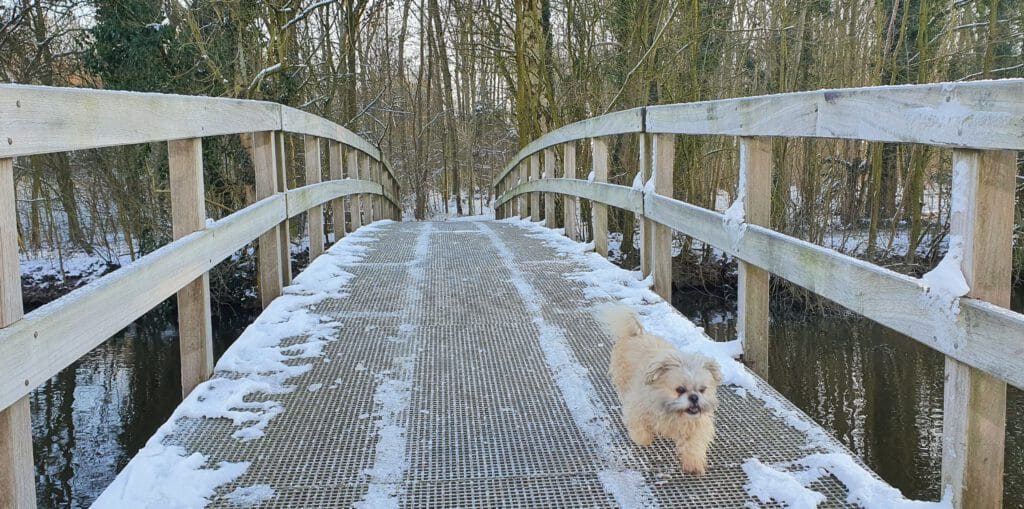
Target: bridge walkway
[(452, 364)]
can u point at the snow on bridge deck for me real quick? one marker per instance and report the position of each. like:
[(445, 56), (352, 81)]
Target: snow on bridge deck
[(460, 364)]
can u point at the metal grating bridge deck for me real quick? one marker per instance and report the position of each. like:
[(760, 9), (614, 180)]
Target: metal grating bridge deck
[(440, 391)]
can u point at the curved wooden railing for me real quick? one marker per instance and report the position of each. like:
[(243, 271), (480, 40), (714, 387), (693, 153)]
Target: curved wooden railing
[(37, 120), (982, 340)]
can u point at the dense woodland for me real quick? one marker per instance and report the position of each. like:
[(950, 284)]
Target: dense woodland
[(449, 89)]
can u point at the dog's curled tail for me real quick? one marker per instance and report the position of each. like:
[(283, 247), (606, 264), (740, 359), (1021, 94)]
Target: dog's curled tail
[(621, 320)]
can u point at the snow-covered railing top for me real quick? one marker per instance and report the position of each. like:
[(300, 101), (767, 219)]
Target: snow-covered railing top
[(40, 120), (959, 308)]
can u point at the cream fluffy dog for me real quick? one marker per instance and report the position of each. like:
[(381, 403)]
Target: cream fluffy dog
[(663, 391)]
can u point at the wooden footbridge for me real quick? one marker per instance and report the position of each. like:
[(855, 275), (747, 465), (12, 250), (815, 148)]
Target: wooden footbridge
[(460, 364)]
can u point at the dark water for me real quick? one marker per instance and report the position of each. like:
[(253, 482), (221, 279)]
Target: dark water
[(90, 419), (879, 392)]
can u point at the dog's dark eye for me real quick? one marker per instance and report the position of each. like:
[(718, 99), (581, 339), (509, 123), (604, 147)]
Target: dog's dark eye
[(702, 389), (680, 389)]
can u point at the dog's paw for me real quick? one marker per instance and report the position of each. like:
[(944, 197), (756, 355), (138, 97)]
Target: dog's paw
[(692, 463)]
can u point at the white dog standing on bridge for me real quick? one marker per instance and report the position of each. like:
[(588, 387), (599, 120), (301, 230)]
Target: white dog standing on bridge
[(664, 392)]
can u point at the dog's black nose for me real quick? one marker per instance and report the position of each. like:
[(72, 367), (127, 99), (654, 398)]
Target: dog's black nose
[(694, 398)]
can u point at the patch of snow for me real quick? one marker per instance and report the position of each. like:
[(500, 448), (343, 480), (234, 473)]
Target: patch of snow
[(638, 182), (591, 177), (256, 364), (768, 484), (248, 496)]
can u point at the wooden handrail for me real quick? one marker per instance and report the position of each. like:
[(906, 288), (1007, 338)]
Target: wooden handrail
[(40, 120), (982, 340)]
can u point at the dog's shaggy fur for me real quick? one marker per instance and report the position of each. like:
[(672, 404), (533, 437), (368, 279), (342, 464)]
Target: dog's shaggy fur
[(663, 391)]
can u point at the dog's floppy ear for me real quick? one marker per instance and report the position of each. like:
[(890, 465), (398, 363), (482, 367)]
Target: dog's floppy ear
[(714, 369), (658, 368)]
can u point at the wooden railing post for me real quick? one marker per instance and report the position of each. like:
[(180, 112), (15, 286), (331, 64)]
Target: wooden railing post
[(188, 215), (535, 197), (646, 225), (663, 155), (367, 200), (284, 229), (17, 471), (974, 416), (600, 210), (569, 203), (549, 198), (334, 155), (269, 266), (375, 200), (315, 215), (524, 209), (755, 189), (354, 207)]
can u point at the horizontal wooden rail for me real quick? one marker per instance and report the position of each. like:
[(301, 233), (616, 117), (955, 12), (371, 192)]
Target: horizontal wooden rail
[(976, 114), (609, 194), (42, 120), (619, 122), (45, 341)]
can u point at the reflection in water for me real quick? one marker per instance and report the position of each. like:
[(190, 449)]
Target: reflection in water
[(91, 418), (879, 392)]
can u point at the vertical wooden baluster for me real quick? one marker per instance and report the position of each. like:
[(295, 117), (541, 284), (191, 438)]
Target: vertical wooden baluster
[(524, 209), (265, 162), (535, 197), (366, 200), (646, 225), (378, 199), (600, 210), (354, 207), (663, 152), (284, 228), (17, 471), (315, 215), (549, 198), (334, 155), (974, 416), (188, 215), (569, 203), (756, 190)]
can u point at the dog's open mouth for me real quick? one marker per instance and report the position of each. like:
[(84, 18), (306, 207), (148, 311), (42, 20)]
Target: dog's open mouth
[(694, 410)]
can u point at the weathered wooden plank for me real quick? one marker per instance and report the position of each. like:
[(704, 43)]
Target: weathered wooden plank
[(974, 416), (549, 199), (315, 216), (283, 229), (608, 194), (188, 215), (301, 122), (303, 198), (17, 472), (535, 197), (37, 120), (354, 207), (335, 155), (367, 201), (663, 154), (598, 210), (569, 202), (981, 335), (980, 114), (269, 263), (646, 225), (524, 208), (755, 189), (53, 336), (618, 122)]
